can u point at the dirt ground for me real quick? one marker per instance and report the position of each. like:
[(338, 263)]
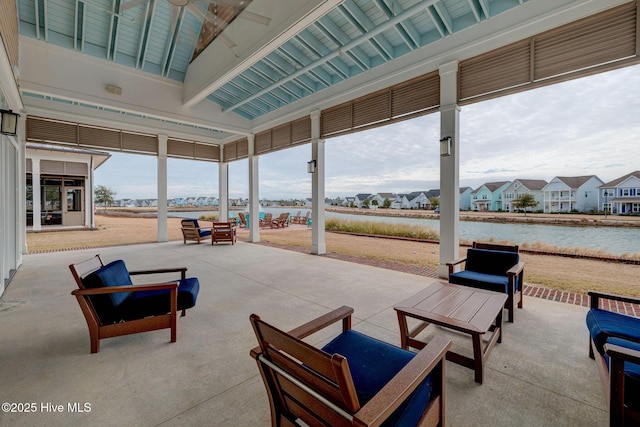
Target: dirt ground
[(561, 273)]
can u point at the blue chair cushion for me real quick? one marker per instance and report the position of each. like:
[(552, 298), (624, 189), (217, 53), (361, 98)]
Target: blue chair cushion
[(373, 364), (605, 324), (490, 282), (631, 372), (153, 303), (491, 261), (113, 274)]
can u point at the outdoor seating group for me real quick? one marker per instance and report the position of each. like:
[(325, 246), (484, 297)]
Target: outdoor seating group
[(300, 219), (614, 343), (218, 231), (113, 306)]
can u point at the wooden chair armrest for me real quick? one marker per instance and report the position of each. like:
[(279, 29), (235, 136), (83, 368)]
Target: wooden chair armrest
[(343, 313), (181, 270), (126, 288), (622, 353), (457, 261), (516, 269), (382, 405)]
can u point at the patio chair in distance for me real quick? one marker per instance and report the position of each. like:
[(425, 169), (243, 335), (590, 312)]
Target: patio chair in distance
[(355, 380), (191, 230)]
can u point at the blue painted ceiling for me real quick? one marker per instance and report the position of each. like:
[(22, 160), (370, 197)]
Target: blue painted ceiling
[(158, 37)]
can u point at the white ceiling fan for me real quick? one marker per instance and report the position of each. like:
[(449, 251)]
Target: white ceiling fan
[(209, 15)]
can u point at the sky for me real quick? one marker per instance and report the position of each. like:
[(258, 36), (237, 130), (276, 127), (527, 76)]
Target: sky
[(587, 126)]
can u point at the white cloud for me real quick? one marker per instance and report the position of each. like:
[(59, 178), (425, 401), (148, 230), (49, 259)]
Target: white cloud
[(588, 126)]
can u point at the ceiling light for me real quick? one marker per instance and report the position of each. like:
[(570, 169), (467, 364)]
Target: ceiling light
[(179, 2)]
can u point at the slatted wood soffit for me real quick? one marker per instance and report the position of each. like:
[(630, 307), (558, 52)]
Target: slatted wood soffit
[(77, 134), (410, 99), (595, 44), (9, 29)]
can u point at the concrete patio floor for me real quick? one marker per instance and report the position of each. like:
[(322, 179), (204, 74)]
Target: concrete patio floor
[(540, 375)]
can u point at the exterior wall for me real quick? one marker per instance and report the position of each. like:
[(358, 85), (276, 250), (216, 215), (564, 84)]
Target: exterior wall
[(10, 209), (481, 201), (465, 200), (587, 195)]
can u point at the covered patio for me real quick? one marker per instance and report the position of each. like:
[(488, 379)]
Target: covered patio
[(540, 375)]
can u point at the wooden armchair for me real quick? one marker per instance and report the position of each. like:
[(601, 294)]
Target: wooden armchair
[(616, 337), (113, 306), (348, 382), (267, 221), (191, 230), (492, 267), (281, 221), (223, 232)]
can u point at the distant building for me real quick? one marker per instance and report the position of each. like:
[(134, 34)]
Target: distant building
[(622, 195), (465, 198), (572, 194), (488, 197), (520, 187)]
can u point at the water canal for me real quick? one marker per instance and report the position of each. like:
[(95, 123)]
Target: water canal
[(615, 240)]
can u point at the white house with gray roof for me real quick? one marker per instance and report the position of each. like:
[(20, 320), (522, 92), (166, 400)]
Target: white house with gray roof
[(572, 194)]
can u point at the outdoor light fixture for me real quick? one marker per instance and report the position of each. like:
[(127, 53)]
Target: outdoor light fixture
[(8, 122), (311, 166), (445, 146)]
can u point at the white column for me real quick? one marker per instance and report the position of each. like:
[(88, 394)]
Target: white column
[(163, 235), (89, 208), (449, 167), (318, 245), (22, 188), (223, 188), (254, 194), (37, 191)]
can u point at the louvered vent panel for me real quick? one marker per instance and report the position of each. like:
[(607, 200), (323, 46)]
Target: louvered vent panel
[(263, 142), (243, 148), (51, 167), (230, 151), (207, 152), (301, 130), (503, 68), (9, 30), (336, 119), (139, 143), (180, 148), (606, 37), (99, 137), (49, 130), (415, 96), (75, 168), (372, 109), (281, 136)]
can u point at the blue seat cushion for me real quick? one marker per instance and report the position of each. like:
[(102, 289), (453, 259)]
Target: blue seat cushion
[(373, 364), (153, 303), (605, 324), (491, 261), (113, 274), (631, 372), (489, 282)]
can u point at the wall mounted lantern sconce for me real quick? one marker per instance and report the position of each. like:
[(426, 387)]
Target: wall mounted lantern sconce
[(8, 122), (445, 146), (311, 166)]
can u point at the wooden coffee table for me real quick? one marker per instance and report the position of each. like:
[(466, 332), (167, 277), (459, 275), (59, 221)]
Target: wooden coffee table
[(461, 308)]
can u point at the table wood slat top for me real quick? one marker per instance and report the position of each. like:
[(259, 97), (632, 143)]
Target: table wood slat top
[(463, 308)]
